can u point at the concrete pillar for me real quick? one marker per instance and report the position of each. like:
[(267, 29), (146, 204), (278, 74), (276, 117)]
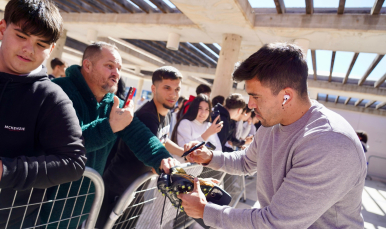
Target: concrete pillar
[(229, 53), (58, 50), (312, 93), (139, 91), (304, 44)]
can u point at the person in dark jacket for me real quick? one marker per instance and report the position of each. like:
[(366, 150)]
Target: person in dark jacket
[(156, 116), (91, 88), (229, 114), (41, 140)]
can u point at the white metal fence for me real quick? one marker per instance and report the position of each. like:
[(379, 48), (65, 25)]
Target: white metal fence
[(77, 204), (39, 214), (141, 205)]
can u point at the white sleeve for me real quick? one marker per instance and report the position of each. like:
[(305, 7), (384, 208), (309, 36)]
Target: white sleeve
[(246, 129), (185, 133), (239, 129)]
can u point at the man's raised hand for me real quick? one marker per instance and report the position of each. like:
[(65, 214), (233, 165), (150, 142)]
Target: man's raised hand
[(120, 117)]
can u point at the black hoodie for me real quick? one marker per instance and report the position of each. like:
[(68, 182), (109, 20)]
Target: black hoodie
[(229, 125), (41, 141)]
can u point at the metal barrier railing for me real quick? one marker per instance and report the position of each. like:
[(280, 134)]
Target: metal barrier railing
[(141, 205), (40, 202)]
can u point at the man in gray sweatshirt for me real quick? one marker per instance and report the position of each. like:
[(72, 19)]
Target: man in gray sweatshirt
[(309, 162)]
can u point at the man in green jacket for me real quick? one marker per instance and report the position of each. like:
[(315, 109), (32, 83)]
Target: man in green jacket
[(91, 88)]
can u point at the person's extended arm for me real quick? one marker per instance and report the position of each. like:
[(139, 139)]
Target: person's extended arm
[(173, 148), (321, 175), (63, 154), (146, 147)]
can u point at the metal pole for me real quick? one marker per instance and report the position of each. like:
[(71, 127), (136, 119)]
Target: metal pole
[(96, 178)]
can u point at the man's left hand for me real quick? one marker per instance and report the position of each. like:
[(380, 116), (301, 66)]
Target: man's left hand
[(167, 164), (194, 202)]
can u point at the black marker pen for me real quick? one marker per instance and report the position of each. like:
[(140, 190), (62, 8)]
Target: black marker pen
[(193, 149)]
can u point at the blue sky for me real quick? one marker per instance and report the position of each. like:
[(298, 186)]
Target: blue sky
[(342, 59), (342, 63), (317, 3)]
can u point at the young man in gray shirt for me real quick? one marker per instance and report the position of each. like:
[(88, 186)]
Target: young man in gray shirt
[(309, 162)]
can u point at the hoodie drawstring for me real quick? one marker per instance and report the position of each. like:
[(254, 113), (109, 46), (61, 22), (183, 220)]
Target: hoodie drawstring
[(2, 92)]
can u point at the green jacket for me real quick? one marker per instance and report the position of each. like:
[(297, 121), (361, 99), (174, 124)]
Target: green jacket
[(99, 140)]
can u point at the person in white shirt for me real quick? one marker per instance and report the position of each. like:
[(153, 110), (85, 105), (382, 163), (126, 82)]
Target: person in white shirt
[(243, 127), (195, 125)]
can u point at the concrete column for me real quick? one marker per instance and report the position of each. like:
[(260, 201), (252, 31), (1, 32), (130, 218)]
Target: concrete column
[(229, 53), (139, 90), (58, 50), (304, 44), (312, 93)]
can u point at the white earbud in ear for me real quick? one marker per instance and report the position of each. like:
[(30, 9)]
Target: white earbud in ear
[(286, 97)]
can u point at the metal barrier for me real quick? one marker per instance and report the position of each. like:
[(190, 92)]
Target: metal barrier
[(141, 204), (39, 203)]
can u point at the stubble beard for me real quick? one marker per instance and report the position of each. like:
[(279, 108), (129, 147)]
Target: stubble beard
[(167, 107), (110, 89)]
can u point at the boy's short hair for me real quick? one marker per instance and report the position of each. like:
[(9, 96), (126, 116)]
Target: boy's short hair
[(235, 101), (35, 17), (203, 88), (218, 99), (92, 51), (246, 109), (166, 72), (56, 62)]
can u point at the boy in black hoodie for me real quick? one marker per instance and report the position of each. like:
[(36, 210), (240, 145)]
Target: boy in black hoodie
[(41, 141)]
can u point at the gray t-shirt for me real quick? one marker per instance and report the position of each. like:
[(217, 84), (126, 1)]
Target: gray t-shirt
[(310, 174)]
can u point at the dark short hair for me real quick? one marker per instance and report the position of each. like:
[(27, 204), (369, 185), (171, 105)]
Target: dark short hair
[(246, 109), (362, 135), (218, 99), (56, 62), (253, 114), (203, 88), (235, 101), (277, 66), (181, 99), (95, 49), (166, 72), (35, 17)]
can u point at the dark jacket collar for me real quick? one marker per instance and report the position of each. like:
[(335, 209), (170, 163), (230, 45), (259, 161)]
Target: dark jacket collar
[(77, 78), (37, 75)]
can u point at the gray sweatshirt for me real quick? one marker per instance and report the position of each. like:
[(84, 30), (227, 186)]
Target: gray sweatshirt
[(310, 174)]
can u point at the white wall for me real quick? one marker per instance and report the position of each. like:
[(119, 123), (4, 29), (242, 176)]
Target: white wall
[(375, 126)]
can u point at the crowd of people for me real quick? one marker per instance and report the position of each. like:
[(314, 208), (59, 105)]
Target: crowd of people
[(309, 162)]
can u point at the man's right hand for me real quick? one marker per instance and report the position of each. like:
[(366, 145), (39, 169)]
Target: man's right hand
[(201, 155), (120, 117)]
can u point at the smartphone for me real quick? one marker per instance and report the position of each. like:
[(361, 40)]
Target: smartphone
[(129, 96), (210, 146), (215, 114)]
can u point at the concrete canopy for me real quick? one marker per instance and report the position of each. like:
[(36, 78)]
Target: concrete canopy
[(206, 21)]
